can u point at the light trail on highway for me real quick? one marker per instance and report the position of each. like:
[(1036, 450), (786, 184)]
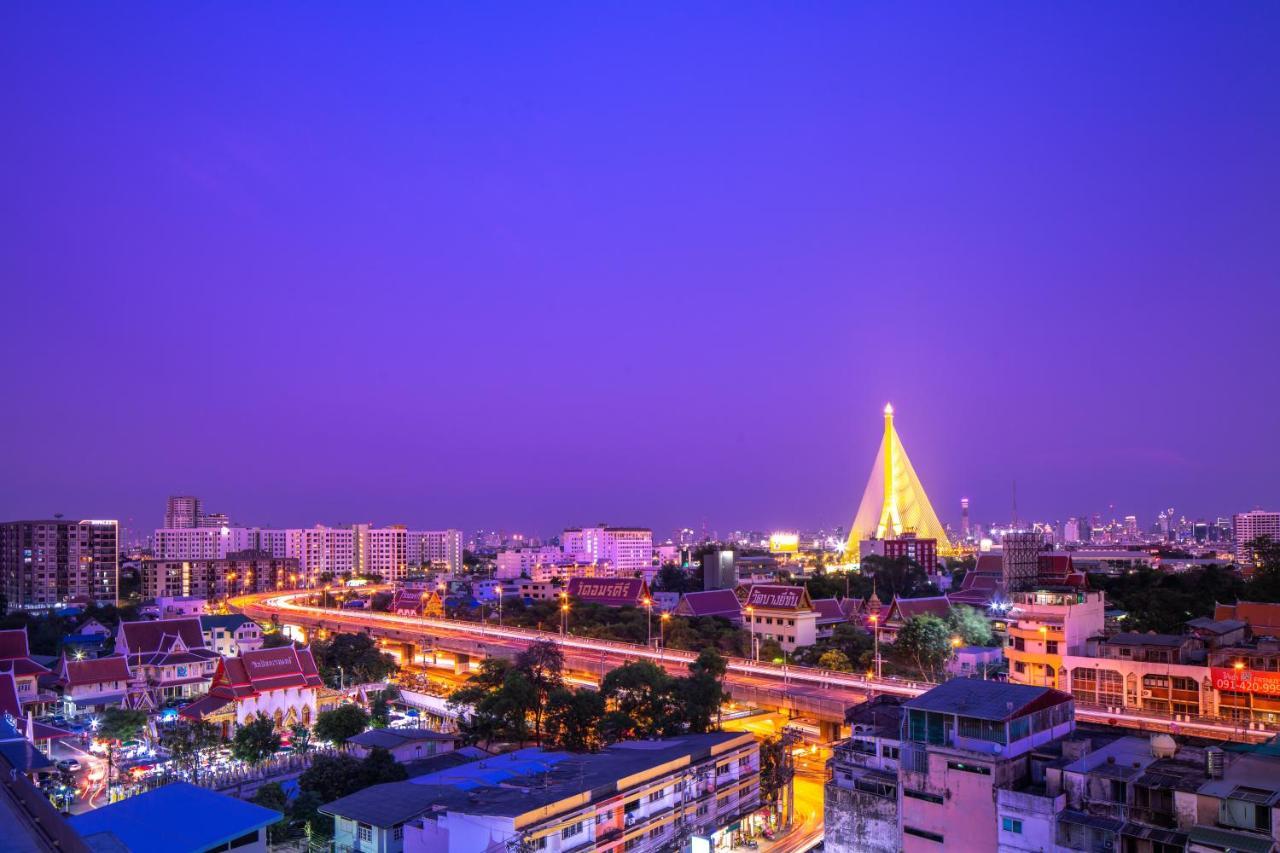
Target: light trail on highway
[(747, 672)]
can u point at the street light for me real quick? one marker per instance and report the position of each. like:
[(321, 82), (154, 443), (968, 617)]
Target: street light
[(498, 591), (564, 618), (648, 606), (662, 633), (751, 622), (875, 628), (1044, 667)]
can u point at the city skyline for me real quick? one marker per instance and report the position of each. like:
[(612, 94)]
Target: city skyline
[(660, 270)]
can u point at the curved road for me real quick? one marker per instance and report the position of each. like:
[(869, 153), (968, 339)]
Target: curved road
[(842, 686)]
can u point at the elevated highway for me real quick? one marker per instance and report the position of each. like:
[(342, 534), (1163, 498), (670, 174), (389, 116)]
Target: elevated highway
[(798, 690)]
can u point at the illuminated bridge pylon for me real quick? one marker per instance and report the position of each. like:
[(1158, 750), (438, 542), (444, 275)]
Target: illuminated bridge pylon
[(894, 501)]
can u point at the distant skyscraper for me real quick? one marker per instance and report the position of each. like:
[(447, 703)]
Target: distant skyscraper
[(1131, 527), (1248, 526), (964, 519), (46, 563), (215, 519), (182, 511), (629, 549), (894, 501)]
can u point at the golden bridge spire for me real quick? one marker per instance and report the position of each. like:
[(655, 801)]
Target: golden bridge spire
[(894, 501)]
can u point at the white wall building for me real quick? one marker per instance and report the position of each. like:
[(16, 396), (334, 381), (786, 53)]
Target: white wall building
[(434, 546), (628, 549), (1248, 526), (203, 543)]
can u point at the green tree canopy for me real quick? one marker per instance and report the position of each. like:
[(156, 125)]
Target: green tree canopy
[(925, 644), (644, 695), (835, 660), (573, 719), (255, 740), (338, 724), (271, 796), (353, 658), (970, 626)]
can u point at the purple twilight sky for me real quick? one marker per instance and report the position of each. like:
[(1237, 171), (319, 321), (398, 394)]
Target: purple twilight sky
[(525, 265)]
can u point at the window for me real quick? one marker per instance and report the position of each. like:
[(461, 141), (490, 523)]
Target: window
[(1009, 824), (922, 795), (397, 832), (364, 832), (1019, 667), (921, 833), (571, 830), (1051, 647), (889, 752)]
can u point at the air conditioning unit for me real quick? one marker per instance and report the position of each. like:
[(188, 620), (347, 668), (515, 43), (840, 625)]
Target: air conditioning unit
[(1146, 694)]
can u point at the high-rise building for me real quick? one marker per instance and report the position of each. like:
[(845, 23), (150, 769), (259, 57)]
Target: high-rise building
[(628, 549), (964, 519), (894, 501), (1247, 526), (718, 570), (204, 543), (215, 519), (182, 511), (52, 562), (425, 547)]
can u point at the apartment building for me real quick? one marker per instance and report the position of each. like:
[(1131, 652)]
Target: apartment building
[(52, 562), (637, 796), (434, 548), (961, 742), (183, 511), (860, 800), (236, 573), (1045, 625), (515, 563), (1247, 526), (203, 543)]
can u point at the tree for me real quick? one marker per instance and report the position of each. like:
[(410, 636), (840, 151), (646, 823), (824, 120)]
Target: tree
[(380, 766), (897, 578), (275, 640), (969, 625), (925, 642), (1265, 583), (331, 777), (117, 725), (188, 741), (672, 578), (542, 664), (771, 650), (644, 695), (354, 658), (835, 660), (573, 719), (380, 711), (306, 811), (702, 692), (774, 775), (255, 740), (271, 796), (300, 738), (339, 724)]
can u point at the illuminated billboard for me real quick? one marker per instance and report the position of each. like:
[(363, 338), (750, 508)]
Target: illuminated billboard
[(784, 543)]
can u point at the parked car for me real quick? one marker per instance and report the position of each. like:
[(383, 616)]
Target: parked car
[(70, 765)]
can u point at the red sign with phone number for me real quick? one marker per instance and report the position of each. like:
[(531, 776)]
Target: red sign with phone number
[(1246, 681)]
